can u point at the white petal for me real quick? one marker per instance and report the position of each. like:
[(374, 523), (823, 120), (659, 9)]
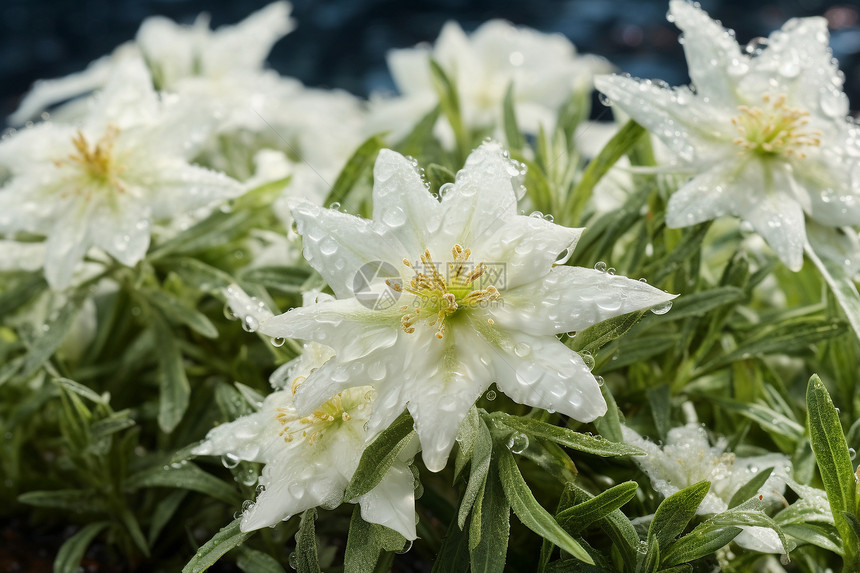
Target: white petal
[(712, 52), (15, 256), (128, 97), (245, 307), (443, 388), (402, 205), (686, 124), (705, 197), (122, 229), (774, 213), (799, 60), (572, 299), (543, 372), (67, 244), (46, 93), (352, 329), (339, 246), (174, 187), (253, 437), (392, 502), (762, 539), (410, 69), (246, 45), (524, 249), (292, 486), (481, 201)]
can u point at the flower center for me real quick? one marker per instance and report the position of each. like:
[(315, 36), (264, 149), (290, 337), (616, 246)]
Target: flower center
[(312, 427), (97, 160), (774, 128), (437, 297)]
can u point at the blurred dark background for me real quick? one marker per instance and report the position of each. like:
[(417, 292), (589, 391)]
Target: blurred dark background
[(342, 43)]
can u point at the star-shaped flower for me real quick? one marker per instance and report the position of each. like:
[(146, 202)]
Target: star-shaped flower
[(310, 458), (688, 458), (437, 299), (227, 58), (103, 182), (765, 130), (545, 71)]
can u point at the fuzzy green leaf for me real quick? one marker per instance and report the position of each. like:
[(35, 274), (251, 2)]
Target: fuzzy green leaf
[(575, 519), (595, 445), (378, 456), (229, 537), (72, 551), (676, 511)]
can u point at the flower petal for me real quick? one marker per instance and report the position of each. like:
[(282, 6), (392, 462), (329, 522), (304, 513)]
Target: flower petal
[(175, 187), (761, 539), (712, 52), (121, 229), (67, 244), (338, 245), (686, 124), (480, 202), (402, 206), (444, 383), (392, 502), (705, 197), (572, 299), (543, 372), (524, 249)]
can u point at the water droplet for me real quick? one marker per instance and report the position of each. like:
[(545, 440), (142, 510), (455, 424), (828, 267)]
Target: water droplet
[(563, 256), (536, 215), (293, 560), (662, 308), (600, 381), (518, 442), (604, 99), (278, 342), (334, 206), (406, 547), (522, 349), (491, 395), (588, 359), (229, 461), (600, 266), (755, 47), (852, 453), (250, 324)]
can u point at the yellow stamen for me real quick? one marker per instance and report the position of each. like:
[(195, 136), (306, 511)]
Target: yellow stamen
[(774, 128)]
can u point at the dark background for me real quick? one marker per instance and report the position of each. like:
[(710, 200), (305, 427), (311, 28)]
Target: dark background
[(342, 43)]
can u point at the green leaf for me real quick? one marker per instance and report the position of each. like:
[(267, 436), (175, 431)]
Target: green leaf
[(750, 489), (198, 274), (831, 452), (786, 338), (15, 296), (365, 543), (283, 278), (229, 537), (621, 143), (819, 535), (841, 285), (72, 551), (676, 511), (490, 528), (593, 337), (163, 513), (703, 302), (530, 512), (178, 311), (378, 456), (307, 559), (480, 465), (51, 337), (80, 390), (765, 417), (73, 500), (184, 475), (699, 543), (453, 556), (660, 400), (421, 135), (609, 424), (577, 518), (134, 531), (253, 561), (173, 383), (116, 422), (360, 163), (449, 102), (595, 445), (512, 130), (439, 175)]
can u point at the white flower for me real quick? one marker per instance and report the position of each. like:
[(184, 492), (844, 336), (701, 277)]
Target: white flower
[(688, 458), (544, 68), (310, 458), (764, 131), (229, 57), (431, 336), (103, 182)]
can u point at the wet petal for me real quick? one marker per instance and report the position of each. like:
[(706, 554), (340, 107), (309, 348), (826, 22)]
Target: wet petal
[(392, 502)]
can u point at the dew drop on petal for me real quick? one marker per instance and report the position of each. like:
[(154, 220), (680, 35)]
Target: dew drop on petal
[(229, 461), (491, 395), (250, 324), (588, 359), (662, 308), (600, 266), (278, 342)]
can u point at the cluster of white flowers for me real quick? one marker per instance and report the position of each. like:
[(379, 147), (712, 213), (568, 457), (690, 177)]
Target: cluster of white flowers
[(437, 297)]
